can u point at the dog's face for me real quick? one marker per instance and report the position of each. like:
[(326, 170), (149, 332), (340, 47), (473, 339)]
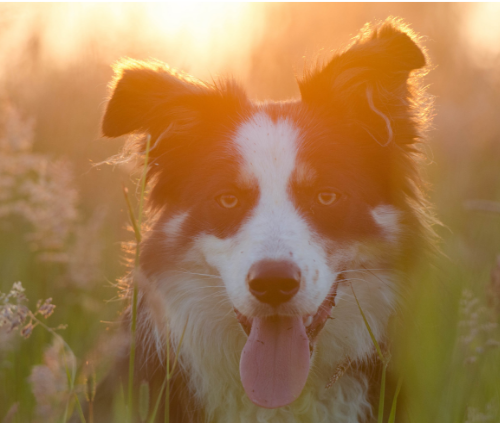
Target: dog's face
[(285, 210), (278, 258), (277, 199)]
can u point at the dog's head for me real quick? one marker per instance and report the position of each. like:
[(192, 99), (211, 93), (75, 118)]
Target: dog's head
[(279, 199)]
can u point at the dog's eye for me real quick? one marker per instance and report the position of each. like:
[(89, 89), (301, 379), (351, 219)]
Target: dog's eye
[(327, 198), (227, 201)]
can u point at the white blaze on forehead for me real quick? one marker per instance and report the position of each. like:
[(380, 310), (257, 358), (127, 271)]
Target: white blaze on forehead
[(269, 151)]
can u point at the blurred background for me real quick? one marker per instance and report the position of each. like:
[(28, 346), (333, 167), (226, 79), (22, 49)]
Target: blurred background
[(63, 220)]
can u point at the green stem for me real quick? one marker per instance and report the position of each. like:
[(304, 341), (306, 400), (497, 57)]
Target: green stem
[(137, 231), (167, 365), (79, 408), (143, 182), (382, 396), (384, 360), (392, 416), (375, 343), (133, 328), (133, 325), (168, 376)]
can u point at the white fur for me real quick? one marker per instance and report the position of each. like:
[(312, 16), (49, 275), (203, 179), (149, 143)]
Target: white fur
[(387, 217), (205, 287), (173, 226), (214, 340)]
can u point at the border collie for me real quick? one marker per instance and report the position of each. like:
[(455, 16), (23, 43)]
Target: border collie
[(265, 219)]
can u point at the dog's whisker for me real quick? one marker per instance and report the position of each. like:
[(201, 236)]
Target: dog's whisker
[(197, 274), (210, 295), (342, 281), (363, 270)]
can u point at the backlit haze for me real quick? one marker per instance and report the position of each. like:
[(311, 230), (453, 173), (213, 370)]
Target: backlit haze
[(56, 59), (55, 67)]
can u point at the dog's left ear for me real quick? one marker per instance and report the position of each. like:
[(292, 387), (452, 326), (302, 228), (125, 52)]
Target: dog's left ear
[(369, 81), (149, 96)]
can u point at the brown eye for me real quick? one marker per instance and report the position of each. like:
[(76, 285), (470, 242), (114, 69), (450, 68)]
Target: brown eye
[(326, 198), (227, 200)]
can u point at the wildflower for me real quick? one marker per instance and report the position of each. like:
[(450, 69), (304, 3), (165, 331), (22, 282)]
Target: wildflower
[(39, 190), (14, 314), (477, 332), (476, 416), (26, 331), (42, 192), (49, 381), (494, 288), (492, 343), (471, 359), (9, 417), (17, 132), (17, 291), (84, 255), (45, 308)]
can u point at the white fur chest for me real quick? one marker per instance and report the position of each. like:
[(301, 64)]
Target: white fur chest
[(213, 342)]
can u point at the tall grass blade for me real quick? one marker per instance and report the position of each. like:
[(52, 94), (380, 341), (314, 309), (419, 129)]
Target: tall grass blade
[(167, 398), (92, 396), (79, 409), (133, 325), (167, 378), (157, 403), (131, 214), (375, 343), (143, 401), (392, 416), (120, 408), (382, 396), (70, 375), (179, 347), (143, 182), (382, 358)]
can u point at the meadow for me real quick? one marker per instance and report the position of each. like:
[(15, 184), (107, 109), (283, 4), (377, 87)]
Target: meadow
[(64, 221)]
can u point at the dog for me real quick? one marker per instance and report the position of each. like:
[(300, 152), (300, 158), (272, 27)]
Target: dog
[(268, 223)]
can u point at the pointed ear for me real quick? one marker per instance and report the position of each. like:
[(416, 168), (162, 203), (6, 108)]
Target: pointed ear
[(369, 81), (147, 95)]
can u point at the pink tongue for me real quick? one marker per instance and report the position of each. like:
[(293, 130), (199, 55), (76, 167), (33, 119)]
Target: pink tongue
[(274, 363)]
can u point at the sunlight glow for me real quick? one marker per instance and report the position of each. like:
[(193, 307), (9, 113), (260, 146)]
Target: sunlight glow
[(200, 38), (482, 31), (215, 34)]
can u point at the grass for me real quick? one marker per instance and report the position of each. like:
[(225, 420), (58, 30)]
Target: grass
[(15, 314), (384, 359), (137, 225), (144, 405)]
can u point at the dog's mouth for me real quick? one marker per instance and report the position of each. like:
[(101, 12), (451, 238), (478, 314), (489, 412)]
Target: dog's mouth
[(274, 363)]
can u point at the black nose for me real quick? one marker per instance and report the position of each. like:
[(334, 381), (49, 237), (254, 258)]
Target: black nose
[(274, 282)]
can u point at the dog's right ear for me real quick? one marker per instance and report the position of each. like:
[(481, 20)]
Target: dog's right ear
[(374, 82), (146, 94)]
